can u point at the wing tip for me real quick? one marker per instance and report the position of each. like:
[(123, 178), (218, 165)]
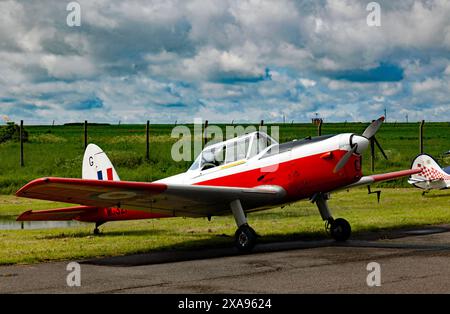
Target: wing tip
[(22, 216), (22, 191)]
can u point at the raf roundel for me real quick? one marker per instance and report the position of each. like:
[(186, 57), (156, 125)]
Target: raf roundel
[(117, 195)]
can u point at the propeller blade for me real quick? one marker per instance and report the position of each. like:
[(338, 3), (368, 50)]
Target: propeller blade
[(345, 159), (379, 147), (373, 128)]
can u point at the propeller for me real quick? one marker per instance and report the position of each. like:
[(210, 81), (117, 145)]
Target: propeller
[(369, 133), (343, 161), (373, 128), (357, 141)]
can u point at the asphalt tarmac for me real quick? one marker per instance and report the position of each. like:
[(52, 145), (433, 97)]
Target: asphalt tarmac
[(414, 261)]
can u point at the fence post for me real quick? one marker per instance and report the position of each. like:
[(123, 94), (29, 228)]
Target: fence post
[(85, 134), (147, 141), (319, 128), (21, 143), (421, 136), (372, 154), (205, 134)]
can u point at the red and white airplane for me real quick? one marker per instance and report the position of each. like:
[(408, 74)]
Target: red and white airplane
[(245, 174), (432, 176)]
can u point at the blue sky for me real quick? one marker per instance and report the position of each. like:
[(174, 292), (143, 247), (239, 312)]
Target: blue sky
[(224, 60)]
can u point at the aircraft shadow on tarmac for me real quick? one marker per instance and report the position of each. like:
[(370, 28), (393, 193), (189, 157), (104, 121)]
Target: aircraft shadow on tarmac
[(363, 240)]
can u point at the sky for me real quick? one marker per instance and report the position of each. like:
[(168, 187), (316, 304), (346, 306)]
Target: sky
[(224, 60)]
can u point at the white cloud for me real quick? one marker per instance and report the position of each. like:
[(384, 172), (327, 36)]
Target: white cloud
[(211, 63), (447, 70), (390, 89), (67, 67), (307, 82), (427, 85), (211, 57)]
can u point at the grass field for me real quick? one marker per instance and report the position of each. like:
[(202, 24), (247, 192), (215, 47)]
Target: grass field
[(58, 150), (399, 208)]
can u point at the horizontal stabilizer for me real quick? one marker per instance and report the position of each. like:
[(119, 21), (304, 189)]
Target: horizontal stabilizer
[(57, 214), (368, 180)]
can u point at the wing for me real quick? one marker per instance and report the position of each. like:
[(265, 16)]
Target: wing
[(367, 180), (57, 214), (167, 199)]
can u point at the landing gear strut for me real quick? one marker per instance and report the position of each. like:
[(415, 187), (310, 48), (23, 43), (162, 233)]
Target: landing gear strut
[(96, 230), (245, 236), (339, 228)]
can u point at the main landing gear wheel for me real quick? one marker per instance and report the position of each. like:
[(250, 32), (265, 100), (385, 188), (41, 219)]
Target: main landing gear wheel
[(340, 229), (245, 238)]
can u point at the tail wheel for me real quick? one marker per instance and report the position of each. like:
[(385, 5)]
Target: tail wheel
[(245, 238), (98, 224), (340, 230)]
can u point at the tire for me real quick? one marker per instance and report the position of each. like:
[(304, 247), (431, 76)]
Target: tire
[(340, 230), (245, 238)]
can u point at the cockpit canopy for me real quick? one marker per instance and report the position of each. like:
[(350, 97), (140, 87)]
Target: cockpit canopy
[(233, 150)]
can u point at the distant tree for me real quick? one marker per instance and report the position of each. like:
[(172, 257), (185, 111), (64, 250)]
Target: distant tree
[(11, 132)]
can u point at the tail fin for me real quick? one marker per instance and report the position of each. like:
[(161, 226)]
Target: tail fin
[(431, 171), (97, 166)]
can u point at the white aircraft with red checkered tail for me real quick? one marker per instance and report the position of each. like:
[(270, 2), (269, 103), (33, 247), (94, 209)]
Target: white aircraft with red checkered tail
[(432, 176), (238, 176)]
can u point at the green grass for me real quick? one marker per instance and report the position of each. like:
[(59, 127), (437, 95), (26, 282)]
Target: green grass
[(58, 150), (399, 208)]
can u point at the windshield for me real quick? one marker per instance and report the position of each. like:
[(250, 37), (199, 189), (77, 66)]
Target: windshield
[(260, 142), (232, 151), (237, 150)]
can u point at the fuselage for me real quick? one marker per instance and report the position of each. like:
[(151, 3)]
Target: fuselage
[(302, 168)]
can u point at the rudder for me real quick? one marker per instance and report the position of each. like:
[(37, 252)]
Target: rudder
[(97, 166), (430, 168)]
